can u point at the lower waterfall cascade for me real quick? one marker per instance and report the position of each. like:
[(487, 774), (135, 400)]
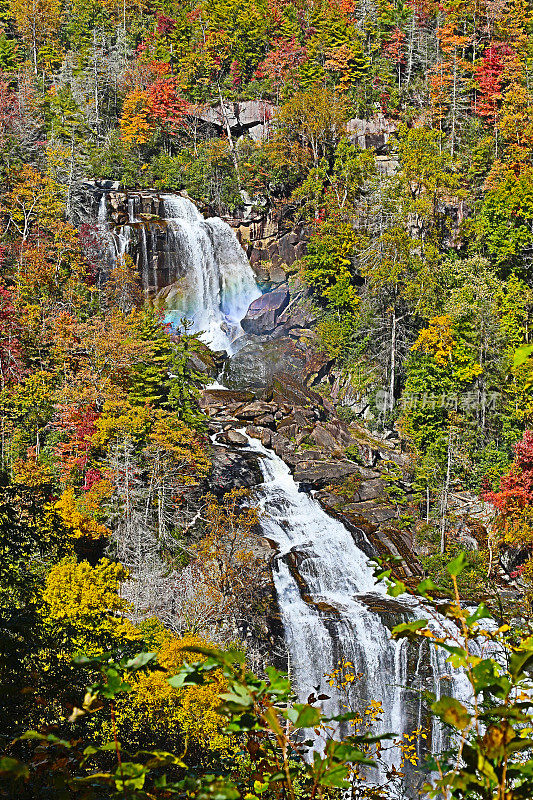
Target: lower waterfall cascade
[(330, 622), (207, 277)]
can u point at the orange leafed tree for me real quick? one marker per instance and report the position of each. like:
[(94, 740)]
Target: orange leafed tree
[(147, 110)]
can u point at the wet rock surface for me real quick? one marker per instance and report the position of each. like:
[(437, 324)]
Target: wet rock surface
[(263, 313), (233, 470), (345, 465), (259, 361)]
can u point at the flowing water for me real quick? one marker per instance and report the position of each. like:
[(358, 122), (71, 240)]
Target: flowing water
[(197, 265), (334, 612)]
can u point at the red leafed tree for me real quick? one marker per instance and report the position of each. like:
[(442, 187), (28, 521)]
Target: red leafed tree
[(394, 49), (9, 110), (92, 476), (79, 426), (488, 75), (165, 25), (165, 106), (284, 58), (514, 500), (11, 362)]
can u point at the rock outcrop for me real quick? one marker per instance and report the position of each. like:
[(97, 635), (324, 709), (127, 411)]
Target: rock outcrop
[(347, 467), (233, 469), (252, 117), (263, 313), (260, 360)]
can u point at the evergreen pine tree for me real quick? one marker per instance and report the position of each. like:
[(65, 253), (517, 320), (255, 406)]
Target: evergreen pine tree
[(151, 380)]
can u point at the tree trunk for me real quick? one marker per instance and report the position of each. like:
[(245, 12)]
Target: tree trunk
[(454, 99), (228, 133), (392, 374), (96, 97), (445, 491)]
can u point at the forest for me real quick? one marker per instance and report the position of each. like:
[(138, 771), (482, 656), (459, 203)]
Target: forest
[(215, 537)]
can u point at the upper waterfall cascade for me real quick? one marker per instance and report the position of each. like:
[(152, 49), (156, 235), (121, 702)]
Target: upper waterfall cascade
[(212, 283)]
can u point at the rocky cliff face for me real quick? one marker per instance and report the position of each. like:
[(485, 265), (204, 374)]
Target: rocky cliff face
[(271, 248), (361, 478), (349, 469)]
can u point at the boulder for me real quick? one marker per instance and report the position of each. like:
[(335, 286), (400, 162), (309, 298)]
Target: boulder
[(317, 367), (263, 434), (201, 360), (263, 313), (232, 469), (371, 490), (300, 250), (317, 474), (256, 255), (340, 431), (288, 389), (223, 397), (277, 274), (286, 249), (374, 132), (255, 409), (299, 315), (266, 421), (324, 439), (232, 437), (303, 334), (284, 448), (258, 362)]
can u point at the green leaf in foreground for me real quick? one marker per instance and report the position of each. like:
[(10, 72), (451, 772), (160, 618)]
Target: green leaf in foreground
[(455, 567), (451, 711)]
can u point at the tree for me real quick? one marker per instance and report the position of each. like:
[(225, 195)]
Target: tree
[(11, 355), (486, 757), (38, 22), (151, 379), (489, 79), (318, 122), (157, 108), (78, 515), (329, 266), (158, 715), (514, 500), (135, 125), (231, 566), (32, 539), (33, 201), (503, 224), (84, 605)]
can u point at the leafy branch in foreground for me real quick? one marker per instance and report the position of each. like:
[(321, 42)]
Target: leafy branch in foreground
[(489, 754), (275, 735)]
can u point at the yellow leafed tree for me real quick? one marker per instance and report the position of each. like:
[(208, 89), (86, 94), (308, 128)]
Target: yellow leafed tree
[(79, 522), (38, 22), (165, 714), (134, 122), (85, 602)]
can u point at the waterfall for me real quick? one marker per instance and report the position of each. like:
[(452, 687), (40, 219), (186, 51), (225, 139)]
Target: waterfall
[(196, 267), (332, 610), (326, 594)]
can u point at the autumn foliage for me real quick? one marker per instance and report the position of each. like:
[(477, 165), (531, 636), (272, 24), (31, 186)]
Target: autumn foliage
[(514, 501)]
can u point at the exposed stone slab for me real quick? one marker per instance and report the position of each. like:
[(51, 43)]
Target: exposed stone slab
[(288, 389), (263, 313), (319, 474)]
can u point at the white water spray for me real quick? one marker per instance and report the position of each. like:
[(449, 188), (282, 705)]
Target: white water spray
[(209, 279), (328, 598)]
